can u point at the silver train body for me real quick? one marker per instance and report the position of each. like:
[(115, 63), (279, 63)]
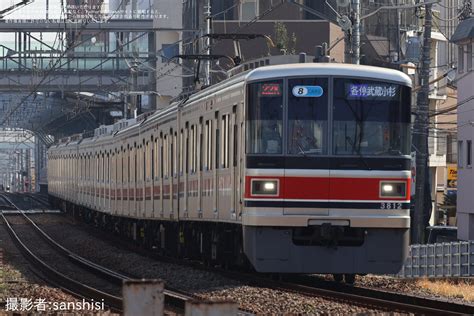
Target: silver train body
[(307, 163)]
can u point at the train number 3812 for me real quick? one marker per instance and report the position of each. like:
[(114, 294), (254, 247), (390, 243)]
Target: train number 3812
[(391, 206)]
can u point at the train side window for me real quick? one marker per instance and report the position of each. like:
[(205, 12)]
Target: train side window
[(129, 157), (186, 146), (204, 146), (165, 156), (156, 160), (218, 145), (97, 167), (135, 165), (225, 141), (175, 154), (200, 147), (181, 152), (196, 148), (209, 145), (236, 147), (152, 158)]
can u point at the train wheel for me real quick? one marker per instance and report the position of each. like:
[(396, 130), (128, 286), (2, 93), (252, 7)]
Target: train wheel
[(338, 277), (349, 278)]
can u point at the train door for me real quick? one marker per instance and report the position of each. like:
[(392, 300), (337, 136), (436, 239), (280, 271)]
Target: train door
[(183, 174), (108, 181), (199, 166), (167, 204), (207, 172), (161, 171), (96, 181), (139, 188), (225, 195), (113, 181), (148, 178), (128, 172), (193, 152), (216, 157), (120, 172), (235, 162), (156, 191), (175, 177)]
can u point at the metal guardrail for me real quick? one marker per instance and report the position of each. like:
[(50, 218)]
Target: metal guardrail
[(455, 259)]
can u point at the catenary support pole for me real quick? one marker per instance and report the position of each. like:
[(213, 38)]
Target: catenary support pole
[(356, 32), (420, 131)]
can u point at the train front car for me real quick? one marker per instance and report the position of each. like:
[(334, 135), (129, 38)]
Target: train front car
[(327, 177)]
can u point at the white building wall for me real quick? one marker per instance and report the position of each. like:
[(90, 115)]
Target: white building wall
[(465, 203), (169, 83)]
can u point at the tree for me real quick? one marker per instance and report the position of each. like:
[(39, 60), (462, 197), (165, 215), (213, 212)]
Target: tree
[(285, 44)]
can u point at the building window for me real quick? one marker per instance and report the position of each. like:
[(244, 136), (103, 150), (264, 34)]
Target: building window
[(469, 153), (469, 56), (460, 154), (168, 51), (248, 9), (223, 9), (460, 59)]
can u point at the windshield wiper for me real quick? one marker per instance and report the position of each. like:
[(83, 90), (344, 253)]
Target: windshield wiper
[(302, 151), (357, 150)]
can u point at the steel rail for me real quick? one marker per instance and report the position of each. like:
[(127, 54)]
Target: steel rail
[(173, 297), (74, 287), (379, 299)]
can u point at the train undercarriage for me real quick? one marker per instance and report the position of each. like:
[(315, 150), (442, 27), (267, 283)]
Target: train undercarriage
[(340, 251)]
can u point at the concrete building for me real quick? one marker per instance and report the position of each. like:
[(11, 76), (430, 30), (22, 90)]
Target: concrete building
[(464, 38), (165, 14), (304, 31)]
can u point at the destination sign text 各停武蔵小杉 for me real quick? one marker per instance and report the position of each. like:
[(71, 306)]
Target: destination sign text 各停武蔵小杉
[(371, 91)]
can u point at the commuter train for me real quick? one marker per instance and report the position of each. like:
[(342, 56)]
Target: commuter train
[(295, 168)]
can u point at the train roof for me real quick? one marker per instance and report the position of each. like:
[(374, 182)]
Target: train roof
[(328, 69)]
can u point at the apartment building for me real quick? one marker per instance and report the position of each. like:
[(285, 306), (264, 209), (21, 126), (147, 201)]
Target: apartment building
[(464, 38)]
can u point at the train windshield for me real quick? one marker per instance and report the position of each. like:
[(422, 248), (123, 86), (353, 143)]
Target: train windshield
[(370, 118), (265, 118), (307, 116)]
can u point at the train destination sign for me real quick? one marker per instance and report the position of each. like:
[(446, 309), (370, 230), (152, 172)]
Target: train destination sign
[(372, 91), (270, 90), (307, 91)]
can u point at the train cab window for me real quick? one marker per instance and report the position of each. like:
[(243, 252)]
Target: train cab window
[(265, 117), (371, 118), (307, 116)]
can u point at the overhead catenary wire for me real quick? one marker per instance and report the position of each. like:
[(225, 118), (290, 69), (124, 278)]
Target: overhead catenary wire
[(53, 68)]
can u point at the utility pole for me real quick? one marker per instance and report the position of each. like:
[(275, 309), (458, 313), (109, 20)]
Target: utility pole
[(347, 47), (207, 43), (421, 131), (356, 31)]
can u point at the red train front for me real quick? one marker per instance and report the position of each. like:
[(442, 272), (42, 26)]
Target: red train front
[(327, 174)]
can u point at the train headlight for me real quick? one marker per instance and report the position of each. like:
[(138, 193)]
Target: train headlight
[(264, 187), (392, 189)]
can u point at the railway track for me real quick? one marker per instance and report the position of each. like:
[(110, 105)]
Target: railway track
[(107, 283), (377, 299), (307, 285)]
